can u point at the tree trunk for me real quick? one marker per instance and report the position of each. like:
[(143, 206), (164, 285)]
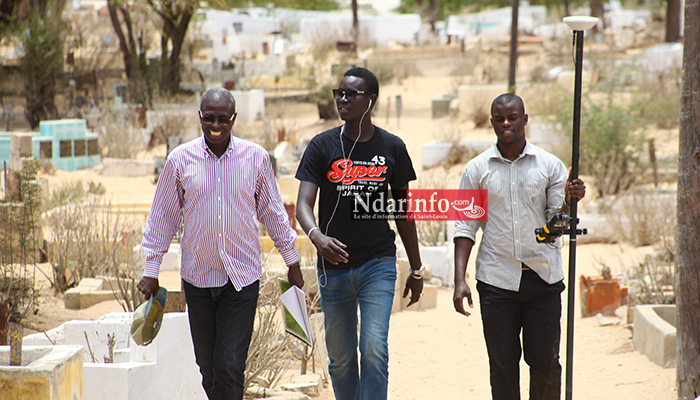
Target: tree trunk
[(355, 32), (598, 11), (176, 18), (133, 55), (429, 10), (688, 211), (513, 64), (673, 21)]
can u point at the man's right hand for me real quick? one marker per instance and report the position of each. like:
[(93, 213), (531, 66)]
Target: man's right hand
[(461, 291), (329, 248), (148, 286)]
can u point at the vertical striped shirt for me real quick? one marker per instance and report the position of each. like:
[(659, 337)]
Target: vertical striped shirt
[(221, 201), (523, 195)]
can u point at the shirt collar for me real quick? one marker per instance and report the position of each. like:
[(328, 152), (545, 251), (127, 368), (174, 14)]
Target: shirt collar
[(207, 150), (493, 152)]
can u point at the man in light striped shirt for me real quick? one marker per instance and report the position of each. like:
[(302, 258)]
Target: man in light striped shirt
[(519, 280), (223, 186)]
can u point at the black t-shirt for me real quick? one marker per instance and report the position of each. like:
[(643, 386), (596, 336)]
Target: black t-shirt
[(372, 166)]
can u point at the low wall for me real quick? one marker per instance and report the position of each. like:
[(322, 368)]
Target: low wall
[(655, 333), (165, 369), (46, 373)]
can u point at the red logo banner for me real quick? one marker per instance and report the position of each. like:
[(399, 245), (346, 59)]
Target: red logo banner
[(448, 204)]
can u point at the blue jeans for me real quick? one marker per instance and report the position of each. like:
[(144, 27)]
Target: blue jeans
[(221, 324), (371, 286)]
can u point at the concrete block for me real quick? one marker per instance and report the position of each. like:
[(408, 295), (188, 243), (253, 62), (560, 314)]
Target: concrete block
[(46, 373), (165, 369), (432, 153), (250, 104), (127, 167), (441, 105), (91, 284), (21, 144), (78, 299), (654, 333), (286, 396), (310, 384), (441, 260)]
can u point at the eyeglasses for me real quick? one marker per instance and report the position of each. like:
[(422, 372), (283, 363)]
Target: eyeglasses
[(210, 119), (348, 94)]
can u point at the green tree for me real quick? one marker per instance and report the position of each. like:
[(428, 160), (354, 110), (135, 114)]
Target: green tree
[(42, 63), (7, 15)]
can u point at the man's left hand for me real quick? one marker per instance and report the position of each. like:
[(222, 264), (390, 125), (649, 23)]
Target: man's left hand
[(294, 276), (574, 188), (415, 286)]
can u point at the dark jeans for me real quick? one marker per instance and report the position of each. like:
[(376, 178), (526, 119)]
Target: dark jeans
[(221, 323), (536, 309)]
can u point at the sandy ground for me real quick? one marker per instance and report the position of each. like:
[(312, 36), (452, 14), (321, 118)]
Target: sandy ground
[(437, 353)]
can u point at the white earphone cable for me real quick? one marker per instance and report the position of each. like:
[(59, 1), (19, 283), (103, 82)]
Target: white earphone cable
[(342, 183)]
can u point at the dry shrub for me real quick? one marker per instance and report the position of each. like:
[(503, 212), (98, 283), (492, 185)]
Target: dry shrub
[(118, 137), (651, 281), (269, 354), (165, 123), (449, 132), (480, 111), (19, 240), (644, 217), (88, 236), (266, 132)]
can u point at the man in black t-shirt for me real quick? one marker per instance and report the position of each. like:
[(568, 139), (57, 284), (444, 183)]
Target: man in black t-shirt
[(357, 257)]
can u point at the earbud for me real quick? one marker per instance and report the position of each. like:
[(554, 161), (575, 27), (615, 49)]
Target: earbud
[(369, 106)]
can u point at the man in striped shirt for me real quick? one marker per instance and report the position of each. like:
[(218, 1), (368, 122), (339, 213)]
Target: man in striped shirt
[(222, 186), (519, 281)]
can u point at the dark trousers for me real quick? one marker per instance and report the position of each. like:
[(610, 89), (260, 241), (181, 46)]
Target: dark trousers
[(536, 310), (221, 324)]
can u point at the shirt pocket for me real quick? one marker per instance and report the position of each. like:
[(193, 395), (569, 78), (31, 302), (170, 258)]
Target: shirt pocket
[(535, 187)]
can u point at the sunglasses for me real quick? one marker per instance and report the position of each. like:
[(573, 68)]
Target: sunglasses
[(348, 94), (210, 119)]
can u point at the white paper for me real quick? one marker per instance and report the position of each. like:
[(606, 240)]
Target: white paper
[(294, 300)]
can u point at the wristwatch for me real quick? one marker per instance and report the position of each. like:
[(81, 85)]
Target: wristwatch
[(418, 273)]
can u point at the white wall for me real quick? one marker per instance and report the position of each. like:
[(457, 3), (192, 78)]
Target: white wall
[(382, 30), (165, 369), (250, 104)]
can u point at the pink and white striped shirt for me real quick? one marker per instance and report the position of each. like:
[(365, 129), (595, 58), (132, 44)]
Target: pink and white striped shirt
[(220, 199)]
